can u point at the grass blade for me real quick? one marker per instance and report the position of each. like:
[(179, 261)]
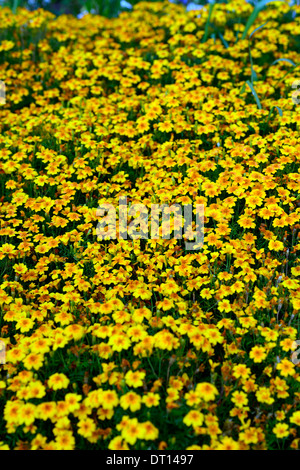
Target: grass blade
[(211, 7), (261, 26), (15, 6), (254, 94), (223, 40), (285, 60), (279, 110), (243, 89), (271, 111), (253, 73), (253, 16)]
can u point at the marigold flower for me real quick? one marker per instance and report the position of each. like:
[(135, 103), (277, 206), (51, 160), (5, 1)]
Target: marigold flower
[(295, 418), (206, 391), (133, 431), (281, 430), (86, 427), (33, 361), (240, 399), (193, 418), (109, 399), (258, 353), (151, 399), (58, 381), (263, 395), (286, 367), (134, 379), (118, 443), (131, 400)]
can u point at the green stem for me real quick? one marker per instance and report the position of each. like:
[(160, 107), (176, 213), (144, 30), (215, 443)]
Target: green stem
[(211, 6), (150, 364), (15, 6)]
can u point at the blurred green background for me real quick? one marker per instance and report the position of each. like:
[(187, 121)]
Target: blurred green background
[(108, 8)]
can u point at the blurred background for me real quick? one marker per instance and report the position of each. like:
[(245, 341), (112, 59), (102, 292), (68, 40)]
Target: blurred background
[(108, 8)]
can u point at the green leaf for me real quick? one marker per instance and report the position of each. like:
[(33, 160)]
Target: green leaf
[(269, 115), (260, 5), (261, 26), (15, 6), (279, 110), (223, 40), (271, 111), (254, 94), (253, 73), (211, 7), (243, 89), (285, 60)]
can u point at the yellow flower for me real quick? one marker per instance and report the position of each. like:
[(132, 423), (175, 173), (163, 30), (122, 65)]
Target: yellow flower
[(86, 427), (249, 436), (41, 345), (119, 341), (109, 399), (65, 441), (134, 379), (295, 418), (46, 410), (36, 389), (192, 398), (258, 353), (26, 414), (72, 400), (165, 340), (133, 431), (15, 354), (6, 45), (58, 381), (241, 371), (33, 361), (150, 431), (151, 399), (227, 443), (193, 418), (131, 400), (75, 331), (286, 367), (239, 399), (213, 335), (280, 415), (224, 306), (4, 446), (276, 245), (104, 413), (118, 444), (59, 341), (263, 395), (24, 324), (281, 430), (206, 391)]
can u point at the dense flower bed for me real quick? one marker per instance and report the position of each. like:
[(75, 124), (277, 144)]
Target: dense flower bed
[(141, 344)]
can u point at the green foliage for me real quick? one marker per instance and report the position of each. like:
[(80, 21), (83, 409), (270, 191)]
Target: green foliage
[(259, 6), (254, 94), (103, 8)]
